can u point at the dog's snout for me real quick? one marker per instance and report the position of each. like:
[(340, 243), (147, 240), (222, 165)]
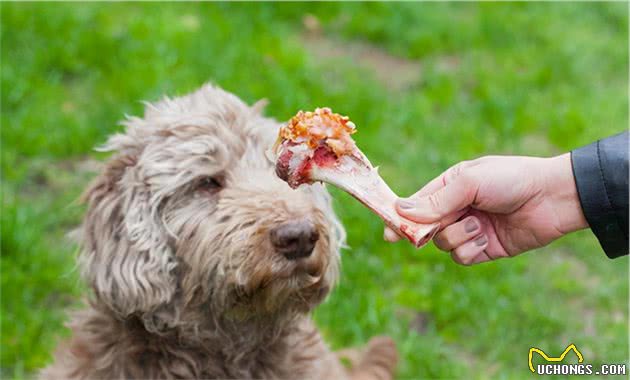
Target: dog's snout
[(295, 239)]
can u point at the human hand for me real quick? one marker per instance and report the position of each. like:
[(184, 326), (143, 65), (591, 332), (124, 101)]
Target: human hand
[(497, 206)]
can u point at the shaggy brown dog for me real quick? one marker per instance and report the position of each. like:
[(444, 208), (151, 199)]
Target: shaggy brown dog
[(203, 264)]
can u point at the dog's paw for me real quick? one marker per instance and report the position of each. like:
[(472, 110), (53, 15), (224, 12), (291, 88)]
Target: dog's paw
[(382, 349), (379, 360)]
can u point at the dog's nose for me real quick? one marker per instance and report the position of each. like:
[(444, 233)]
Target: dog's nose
[(295, 239)]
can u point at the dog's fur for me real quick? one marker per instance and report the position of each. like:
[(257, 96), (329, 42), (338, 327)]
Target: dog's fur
[(175, 246)]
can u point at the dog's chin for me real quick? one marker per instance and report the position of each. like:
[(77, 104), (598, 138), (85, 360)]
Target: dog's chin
[(299, 294), (296, 288), (307, 284), (309, 296), (302, 289)]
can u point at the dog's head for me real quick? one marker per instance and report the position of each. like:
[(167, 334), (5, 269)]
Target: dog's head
[(189, 213)]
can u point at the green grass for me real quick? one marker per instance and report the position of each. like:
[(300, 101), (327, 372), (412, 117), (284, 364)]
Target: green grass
[(535, 78)]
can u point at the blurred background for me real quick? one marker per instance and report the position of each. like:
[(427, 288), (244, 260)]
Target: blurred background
[(428, 85)]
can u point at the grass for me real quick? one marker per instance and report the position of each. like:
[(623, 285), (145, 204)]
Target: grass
[(515, 78)]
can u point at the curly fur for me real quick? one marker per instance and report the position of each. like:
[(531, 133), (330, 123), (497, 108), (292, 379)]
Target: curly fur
[(185, 281)]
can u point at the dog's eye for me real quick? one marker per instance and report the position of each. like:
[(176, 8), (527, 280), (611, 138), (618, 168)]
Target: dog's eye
[(210, 184)]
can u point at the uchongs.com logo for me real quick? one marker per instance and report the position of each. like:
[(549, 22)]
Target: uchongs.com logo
[(555, 366)]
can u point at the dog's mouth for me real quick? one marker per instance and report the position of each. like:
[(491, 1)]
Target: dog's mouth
[(301, 274), (313, 268), (284, 285)]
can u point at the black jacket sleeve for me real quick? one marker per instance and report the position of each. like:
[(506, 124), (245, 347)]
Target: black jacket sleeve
[(601, 176)]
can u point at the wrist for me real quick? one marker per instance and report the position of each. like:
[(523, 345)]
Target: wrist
[(561, 189)]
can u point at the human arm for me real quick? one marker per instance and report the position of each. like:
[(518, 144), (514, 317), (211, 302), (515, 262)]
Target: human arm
[(498, 206)]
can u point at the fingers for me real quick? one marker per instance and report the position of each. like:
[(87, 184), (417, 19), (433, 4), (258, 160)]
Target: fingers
[(434, 185), (433, 207), (390, 236), (465, 241), (471, 252), (457, 234), (468, 245)]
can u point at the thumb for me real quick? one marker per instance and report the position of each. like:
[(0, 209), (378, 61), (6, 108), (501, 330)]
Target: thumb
[(435, 206)]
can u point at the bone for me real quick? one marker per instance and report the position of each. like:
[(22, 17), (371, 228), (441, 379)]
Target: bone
[(302, 158)]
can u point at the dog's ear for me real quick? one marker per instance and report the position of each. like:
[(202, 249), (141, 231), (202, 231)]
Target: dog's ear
[(259, 106), (125, 253)]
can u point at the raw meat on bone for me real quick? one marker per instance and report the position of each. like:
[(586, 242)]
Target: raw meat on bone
[(317, 146)]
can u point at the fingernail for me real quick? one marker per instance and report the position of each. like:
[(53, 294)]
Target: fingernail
[(481, 241), (405, 204), (471, 225)]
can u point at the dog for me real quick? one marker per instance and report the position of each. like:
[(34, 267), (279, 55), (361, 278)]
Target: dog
[(202, 263)]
